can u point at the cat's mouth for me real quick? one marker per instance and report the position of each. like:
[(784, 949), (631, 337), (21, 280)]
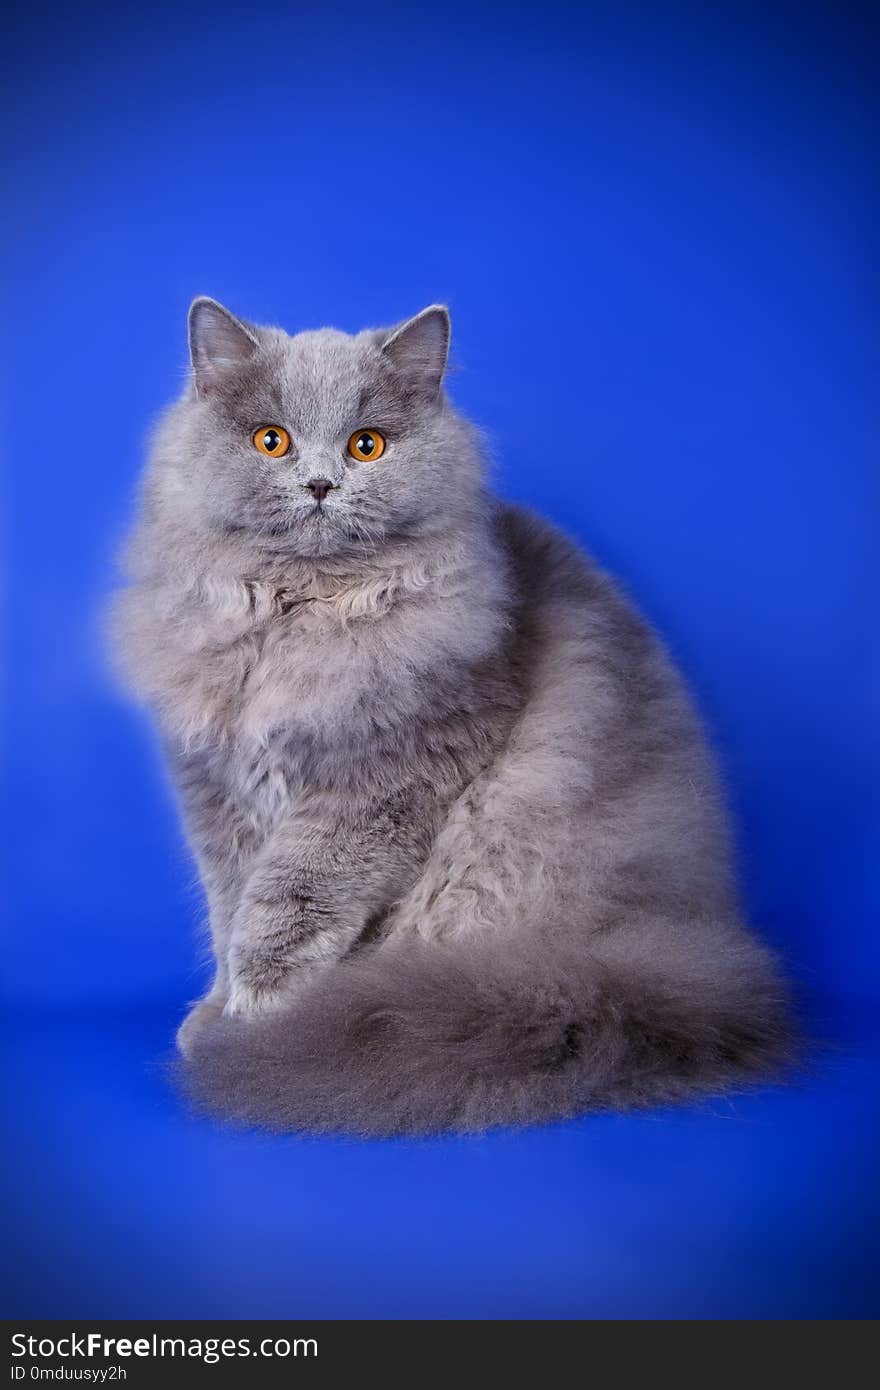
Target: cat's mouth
[(316, 530)]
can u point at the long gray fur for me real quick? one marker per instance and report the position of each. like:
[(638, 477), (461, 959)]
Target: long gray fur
[(464, 852)]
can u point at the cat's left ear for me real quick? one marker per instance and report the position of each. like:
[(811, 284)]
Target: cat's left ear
[(219, 343), (419, 348)]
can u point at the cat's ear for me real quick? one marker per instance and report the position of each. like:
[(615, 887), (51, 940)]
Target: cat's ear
[(419, 347), (219, 343)]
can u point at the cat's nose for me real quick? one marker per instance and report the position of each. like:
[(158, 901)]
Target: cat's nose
[(319, 487)]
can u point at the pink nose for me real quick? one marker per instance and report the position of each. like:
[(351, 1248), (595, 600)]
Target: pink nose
[(319, 487)]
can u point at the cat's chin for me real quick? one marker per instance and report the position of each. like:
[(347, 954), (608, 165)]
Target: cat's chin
[(310, 535), (318, 534)]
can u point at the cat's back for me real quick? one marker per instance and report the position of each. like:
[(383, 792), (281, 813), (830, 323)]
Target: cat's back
[(562, 589), (593, 662)]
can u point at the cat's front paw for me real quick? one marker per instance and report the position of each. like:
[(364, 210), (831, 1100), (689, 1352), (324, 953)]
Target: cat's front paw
[(262, 983), (251, 1000)]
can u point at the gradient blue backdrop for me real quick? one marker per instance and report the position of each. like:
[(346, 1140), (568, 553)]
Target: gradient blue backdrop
[(651, 224)]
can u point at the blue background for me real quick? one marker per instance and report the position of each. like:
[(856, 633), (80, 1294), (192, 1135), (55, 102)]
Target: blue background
[(651, 224)]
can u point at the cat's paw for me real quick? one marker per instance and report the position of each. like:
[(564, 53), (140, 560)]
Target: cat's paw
[(250, 999), (263, 982)]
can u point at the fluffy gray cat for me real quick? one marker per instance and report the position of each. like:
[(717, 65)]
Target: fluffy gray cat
[(464, 852)]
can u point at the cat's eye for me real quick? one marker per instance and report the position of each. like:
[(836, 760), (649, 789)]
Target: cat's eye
[(271, 440), (366, 445)]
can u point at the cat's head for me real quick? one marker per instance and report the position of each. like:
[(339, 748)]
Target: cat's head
[(320, 443)]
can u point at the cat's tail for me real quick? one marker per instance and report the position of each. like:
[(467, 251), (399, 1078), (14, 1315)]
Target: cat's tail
[(416, 1038)]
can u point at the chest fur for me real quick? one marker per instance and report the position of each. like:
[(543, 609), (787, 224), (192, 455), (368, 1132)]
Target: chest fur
[(353, 691)]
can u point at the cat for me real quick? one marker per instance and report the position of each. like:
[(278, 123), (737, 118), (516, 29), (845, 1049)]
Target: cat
[(464, 851)]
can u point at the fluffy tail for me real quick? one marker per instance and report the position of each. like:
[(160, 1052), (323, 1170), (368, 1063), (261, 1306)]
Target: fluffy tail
[(418, 1038)]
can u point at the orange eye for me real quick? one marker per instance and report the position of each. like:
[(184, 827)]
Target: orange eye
[(271, 440), (366, 445)]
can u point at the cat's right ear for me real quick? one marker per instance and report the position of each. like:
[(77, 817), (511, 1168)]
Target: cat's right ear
[(419, 347), (219, 343)]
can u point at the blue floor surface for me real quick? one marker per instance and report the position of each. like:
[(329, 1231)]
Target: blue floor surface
[(121, 1205)]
